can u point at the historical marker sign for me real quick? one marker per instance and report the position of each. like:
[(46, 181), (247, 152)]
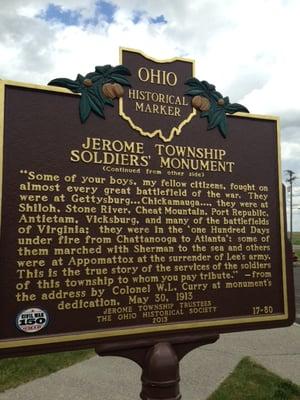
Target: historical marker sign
[(141, 222)]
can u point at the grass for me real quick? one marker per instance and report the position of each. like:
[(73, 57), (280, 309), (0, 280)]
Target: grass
[(250, 381), (296, 238), (15, 371), (297, 252)]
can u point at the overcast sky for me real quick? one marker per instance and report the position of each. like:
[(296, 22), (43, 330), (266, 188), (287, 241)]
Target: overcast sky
[(248, 49)]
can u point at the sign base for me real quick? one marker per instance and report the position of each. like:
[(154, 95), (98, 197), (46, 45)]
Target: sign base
[(159, 359)]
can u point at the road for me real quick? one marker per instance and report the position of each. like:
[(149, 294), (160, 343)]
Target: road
[(297, 292)]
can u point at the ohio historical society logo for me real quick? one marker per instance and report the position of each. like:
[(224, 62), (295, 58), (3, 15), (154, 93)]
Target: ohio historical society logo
[(32, 320)]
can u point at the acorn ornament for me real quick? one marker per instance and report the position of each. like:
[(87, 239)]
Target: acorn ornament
[(97, 88), (112, 90), (88, 83), (201, 103)]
